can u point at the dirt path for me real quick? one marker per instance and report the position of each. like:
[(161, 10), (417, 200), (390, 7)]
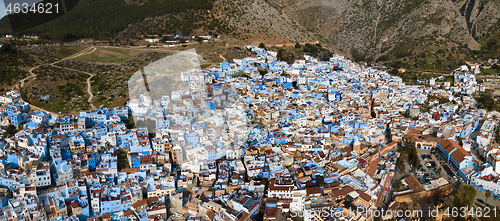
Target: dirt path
[(31, 75), (222, 57), (89, 90), (88, 50), (144, 48), (89, 86), (225, 51), (85, 51)]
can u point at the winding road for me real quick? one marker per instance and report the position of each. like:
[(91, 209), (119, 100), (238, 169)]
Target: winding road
[(85, 51)]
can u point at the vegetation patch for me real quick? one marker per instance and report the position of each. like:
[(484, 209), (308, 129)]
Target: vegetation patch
[(105, 18), (408, 154), (122, 159), (12, 62), (290, 54), (66, 51), (487, 102), (58, 90), (113, 55)]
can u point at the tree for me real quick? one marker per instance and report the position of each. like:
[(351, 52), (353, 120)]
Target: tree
[(398, 186), (443, 100), (487, 194), (497, 135), (388, 134), (297, 45), (425, 106), (464, 195), (279, 56), (262, 45), (199, 39), (122, 159), (129, 122), (11, 130), (459, 140), (7, 48), (408, 152), (285, 75), (415, 160), (408, 143), (400, 163), (357, 55)]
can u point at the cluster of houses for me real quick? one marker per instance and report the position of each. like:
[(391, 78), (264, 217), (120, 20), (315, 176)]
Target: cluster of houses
[(253, 138), (465, 79), (492, 61)]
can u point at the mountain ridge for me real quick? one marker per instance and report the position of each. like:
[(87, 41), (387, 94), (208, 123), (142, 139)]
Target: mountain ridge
[(373, 25), (376, 30)]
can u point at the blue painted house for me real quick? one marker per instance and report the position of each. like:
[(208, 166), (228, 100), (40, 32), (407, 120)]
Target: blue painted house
[(16, 118)]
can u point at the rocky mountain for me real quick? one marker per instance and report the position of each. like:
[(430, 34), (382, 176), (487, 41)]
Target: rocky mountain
[(259, 20), (367, 29), (372, 27)]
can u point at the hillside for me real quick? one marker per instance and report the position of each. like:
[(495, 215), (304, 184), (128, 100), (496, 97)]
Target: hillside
[(103, 19), (423, 34), (255, 20), (378, 27), (12, 62)]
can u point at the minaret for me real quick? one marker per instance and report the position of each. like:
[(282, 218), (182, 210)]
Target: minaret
[(357, 145)]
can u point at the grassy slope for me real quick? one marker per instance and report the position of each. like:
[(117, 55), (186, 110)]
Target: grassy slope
[(112, 55)]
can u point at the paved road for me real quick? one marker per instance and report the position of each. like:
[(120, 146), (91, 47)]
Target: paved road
[(491, 200), (473, 137)]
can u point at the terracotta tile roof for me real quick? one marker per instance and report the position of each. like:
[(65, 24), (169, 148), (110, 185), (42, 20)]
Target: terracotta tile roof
[(139, 203), (372, 168), (313, 190), (342, 191), (460, 154), (364, 196), (414, 184), (413, 133)]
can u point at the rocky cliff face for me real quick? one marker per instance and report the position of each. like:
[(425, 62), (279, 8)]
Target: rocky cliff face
[(374, 27), (258, 20)]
